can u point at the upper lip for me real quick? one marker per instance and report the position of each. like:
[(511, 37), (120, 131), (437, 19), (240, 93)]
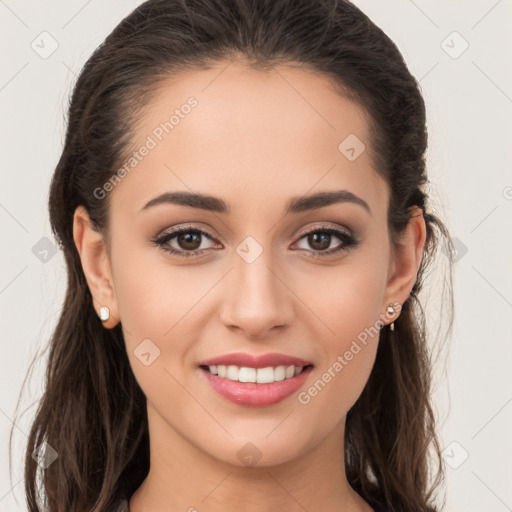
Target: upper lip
[(246, 360)]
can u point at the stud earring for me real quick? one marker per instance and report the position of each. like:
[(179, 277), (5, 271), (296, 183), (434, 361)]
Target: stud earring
[(104, 314), (391, 311)]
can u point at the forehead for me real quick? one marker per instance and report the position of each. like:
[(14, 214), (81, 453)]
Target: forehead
[(251, 134)]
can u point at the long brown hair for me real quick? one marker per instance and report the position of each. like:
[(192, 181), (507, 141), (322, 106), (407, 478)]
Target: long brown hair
[(93, 412)]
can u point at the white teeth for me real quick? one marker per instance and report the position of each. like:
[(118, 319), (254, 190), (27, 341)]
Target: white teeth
[(232, 372), (265, 375), (259, 375), (290, 372), (279, 373), (247, 374)]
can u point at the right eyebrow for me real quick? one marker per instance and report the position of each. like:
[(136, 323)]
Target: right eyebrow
[(194, 200)]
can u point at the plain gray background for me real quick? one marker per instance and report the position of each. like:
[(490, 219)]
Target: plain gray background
[(468, 92)]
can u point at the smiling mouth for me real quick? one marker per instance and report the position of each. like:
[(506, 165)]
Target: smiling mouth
[(245, 374)]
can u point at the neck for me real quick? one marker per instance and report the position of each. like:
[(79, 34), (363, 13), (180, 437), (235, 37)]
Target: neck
[(183, 477)]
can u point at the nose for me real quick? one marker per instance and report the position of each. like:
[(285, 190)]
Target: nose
[(257, 298)]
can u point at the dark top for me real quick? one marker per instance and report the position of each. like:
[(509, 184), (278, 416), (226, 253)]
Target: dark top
[(122, 506)]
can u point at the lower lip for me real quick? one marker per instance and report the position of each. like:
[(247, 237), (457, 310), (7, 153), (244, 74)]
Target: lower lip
[(254, 394)]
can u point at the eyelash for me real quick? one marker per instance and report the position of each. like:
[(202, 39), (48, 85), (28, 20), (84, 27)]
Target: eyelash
[(349, 241)]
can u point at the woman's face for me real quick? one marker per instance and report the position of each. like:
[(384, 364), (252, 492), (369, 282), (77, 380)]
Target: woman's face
[(249, 279)]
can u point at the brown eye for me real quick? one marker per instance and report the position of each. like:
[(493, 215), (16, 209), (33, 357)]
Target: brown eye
[(319, 240), (183, 242), (189, 240)]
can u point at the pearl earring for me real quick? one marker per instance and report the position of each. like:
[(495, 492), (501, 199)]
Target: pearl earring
[(104, 314), (391, 311)]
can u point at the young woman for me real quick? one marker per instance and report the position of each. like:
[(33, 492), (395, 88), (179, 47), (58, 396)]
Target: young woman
[(241, 204)]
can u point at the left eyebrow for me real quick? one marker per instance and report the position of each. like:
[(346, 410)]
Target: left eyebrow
[(295, 205), (322, 199)]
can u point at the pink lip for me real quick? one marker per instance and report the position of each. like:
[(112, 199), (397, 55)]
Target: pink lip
[(253, 394), (263, 361)]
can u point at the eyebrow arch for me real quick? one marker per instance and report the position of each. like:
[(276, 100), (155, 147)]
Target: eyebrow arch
[(322, 199), (295, 205)]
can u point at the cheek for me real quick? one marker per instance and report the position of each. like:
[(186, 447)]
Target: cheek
[(164, 303), (335, 388), (358, 303), (153, 294), (345, 299), (348, 300), (351, 310)]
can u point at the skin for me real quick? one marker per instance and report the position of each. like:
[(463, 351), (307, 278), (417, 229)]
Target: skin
[(254, 141)]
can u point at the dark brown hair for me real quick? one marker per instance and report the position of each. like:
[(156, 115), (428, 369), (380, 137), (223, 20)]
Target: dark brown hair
[(93, 412)]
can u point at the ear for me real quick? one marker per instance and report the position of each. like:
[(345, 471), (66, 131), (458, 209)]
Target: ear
[(406, 260), (96, 265)]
